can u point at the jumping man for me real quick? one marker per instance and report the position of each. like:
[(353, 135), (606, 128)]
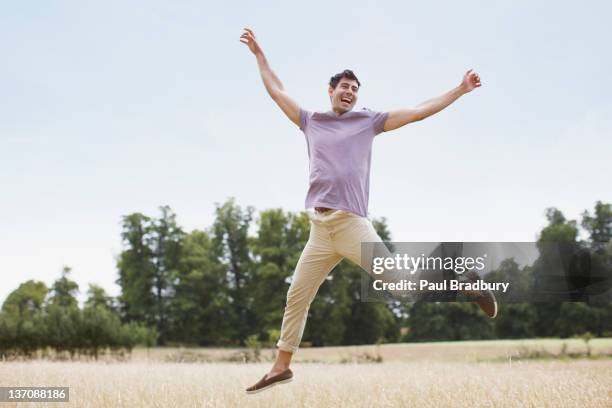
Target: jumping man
[(339, 148)]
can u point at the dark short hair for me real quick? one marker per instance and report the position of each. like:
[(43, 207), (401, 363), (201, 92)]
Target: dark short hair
[(347, 73)]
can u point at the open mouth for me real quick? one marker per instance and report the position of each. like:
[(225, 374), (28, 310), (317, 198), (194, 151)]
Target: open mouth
[(346, 100)]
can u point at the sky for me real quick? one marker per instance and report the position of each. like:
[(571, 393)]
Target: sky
[(109, 108)]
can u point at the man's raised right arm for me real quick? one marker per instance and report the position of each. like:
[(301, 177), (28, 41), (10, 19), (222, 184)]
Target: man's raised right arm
[(273, 85)]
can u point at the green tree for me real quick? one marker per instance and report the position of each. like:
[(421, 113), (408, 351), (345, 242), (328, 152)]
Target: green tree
[(137, 270), (516, 320), (230, 240), (556, 243), (201, 308), (516, 317), (22, 329), (577, 318), (521, 281), (598, 225), (96, 296), (166, 240), (63, 317), (27, 299), (64, 290), (100, 329), (132, 334), (448, 321), (598, 311), (427, 322), (599, 228)]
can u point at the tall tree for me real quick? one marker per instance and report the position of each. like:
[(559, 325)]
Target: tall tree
[(63, 318), (166, 239), (201, 310), (231, 247), (598, 225), (137, 270), (556, 243)]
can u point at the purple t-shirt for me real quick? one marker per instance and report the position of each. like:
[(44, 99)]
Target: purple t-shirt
[(340, 152)]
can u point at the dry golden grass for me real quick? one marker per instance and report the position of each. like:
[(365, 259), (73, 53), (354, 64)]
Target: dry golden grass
[(585, 383), (412, 375), (457, 351)]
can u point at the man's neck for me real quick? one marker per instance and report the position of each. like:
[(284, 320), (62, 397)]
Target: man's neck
[(338, 113)]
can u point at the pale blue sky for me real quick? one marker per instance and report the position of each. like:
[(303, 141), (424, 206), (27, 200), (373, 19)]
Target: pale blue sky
[(108, 108)]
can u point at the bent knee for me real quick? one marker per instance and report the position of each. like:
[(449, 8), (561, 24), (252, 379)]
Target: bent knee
[(297, 298)]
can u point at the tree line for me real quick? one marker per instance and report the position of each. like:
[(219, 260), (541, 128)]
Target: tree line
[(224, 285), (36, 319)]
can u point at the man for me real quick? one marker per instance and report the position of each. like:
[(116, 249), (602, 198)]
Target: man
[(339, 148)]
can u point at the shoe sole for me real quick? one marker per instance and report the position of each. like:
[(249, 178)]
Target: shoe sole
[(494, 304), (270, 386), (488, 294)]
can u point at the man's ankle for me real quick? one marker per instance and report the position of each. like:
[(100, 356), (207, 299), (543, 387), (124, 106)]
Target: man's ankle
[(280, 367)]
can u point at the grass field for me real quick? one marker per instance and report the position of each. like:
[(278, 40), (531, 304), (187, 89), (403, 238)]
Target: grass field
[(411, 375), (457, 351)]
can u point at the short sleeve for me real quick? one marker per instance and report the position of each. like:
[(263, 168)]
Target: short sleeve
[(378, 121), (304, 119)]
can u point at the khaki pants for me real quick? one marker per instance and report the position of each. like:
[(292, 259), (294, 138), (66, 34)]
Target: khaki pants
[(334, 235)]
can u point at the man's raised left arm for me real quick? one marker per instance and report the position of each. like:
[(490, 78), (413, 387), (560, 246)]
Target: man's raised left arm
[(401, 117)]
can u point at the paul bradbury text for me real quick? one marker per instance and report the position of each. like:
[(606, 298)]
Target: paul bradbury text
[(451, 284)]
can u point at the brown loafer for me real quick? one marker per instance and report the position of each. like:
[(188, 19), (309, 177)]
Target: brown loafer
[(483, 298), (265, 383)]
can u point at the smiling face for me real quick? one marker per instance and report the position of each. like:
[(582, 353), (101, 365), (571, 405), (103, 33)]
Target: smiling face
[(344, 96)]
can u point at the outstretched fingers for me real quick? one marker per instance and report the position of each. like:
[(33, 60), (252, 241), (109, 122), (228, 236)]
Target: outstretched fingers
[(248, 34), (247, 37)]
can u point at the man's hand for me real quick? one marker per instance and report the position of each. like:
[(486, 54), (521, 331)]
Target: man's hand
[(248, 38), (471, 80)]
